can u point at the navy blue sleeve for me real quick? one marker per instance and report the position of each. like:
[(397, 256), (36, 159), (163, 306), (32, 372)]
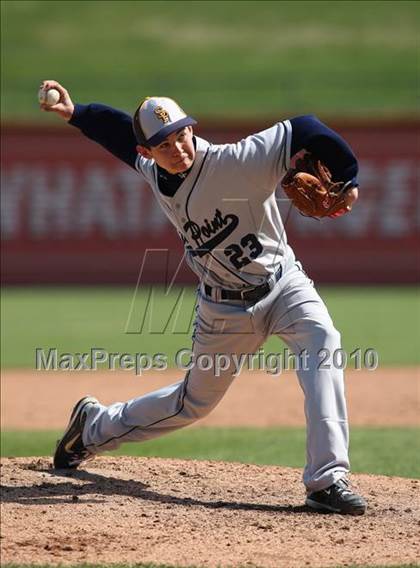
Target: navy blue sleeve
[(311, 134), (109, 127)]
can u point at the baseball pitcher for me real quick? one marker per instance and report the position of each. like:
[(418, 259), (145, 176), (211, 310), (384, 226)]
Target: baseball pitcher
[(221, 200)]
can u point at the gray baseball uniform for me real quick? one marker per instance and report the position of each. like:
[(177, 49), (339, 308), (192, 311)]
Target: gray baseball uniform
[(226, 213)]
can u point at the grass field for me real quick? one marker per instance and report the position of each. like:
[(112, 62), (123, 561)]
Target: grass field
[(77, 319), (231, 58), (373, 450)]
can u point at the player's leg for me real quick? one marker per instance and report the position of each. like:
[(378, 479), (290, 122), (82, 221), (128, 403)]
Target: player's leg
[(220, 331), (325, 405), (301, 319)]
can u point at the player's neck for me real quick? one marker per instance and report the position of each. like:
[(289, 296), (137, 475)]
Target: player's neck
[(169, 183)]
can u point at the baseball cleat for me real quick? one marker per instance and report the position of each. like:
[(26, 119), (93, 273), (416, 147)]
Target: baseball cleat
[(70, 451), (337, 498)]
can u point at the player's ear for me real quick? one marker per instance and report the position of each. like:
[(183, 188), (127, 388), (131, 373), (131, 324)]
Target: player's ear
[(144, 152)]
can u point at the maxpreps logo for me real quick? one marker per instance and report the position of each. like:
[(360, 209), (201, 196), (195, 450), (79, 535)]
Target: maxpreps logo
[(211, 233)]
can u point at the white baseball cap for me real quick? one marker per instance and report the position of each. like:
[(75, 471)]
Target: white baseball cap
[(156, 118)]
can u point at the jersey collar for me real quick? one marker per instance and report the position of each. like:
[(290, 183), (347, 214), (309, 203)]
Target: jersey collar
[(201, 148)]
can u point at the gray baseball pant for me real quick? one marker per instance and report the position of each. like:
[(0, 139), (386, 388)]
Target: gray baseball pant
[(294, 312)]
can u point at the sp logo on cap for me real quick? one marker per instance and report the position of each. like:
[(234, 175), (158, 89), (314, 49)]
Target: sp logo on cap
[(162, 114), (158, 117)]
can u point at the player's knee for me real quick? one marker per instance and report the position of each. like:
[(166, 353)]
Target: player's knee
[(328, 336), (200, 405), (198, 411)]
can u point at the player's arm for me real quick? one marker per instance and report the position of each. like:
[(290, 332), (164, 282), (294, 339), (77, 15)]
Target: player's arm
[(309, 133), (109, 127)]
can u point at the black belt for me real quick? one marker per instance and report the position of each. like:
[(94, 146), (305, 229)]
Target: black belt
[(252, 295)]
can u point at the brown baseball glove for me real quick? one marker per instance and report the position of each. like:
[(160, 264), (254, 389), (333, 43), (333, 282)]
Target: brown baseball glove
[(310, 188)]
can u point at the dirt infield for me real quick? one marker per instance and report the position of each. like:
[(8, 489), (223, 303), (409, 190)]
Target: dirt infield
[(211, 514), (207, 514), (382, 397)]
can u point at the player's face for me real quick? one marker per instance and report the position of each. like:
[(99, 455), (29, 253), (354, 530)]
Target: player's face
[(175, 154)]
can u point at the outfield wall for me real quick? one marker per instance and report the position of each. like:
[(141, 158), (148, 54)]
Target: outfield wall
[(71, 213)]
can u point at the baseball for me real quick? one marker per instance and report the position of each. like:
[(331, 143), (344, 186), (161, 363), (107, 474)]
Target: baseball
[(50, 97)]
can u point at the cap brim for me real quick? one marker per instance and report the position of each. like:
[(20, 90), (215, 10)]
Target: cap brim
[(167, 130)]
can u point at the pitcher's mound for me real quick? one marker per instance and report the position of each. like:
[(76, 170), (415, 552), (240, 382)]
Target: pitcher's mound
[(196, 513)]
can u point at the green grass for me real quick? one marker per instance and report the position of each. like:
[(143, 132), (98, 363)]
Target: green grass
[(384, 451), (77, 319), (231, 58)]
